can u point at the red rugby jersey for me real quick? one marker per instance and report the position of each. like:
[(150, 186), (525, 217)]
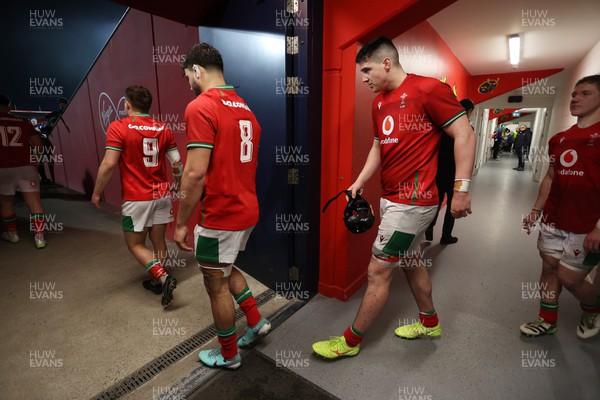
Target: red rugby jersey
[(143, 143), (15, 133), (220, 120), (573, 203), (408, 122)]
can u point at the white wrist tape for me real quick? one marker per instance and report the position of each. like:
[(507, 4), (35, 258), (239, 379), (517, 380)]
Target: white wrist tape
[(462, 185), (598, 224), (173, 156)]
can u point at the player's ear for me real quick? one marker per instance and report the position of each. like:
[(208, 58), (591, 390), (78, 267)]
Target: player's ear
[(196, 71)]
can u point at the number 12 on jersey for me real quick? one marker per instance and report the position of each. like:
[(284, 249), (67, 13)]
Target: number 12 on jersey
[(246, 146)]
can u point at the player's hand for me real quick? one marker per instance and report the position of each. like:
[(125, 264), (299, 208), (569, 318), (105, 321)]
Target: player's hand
[(357, 187), (529, 220), (180, 238), (96, 201), (591, 243), (461, 204)]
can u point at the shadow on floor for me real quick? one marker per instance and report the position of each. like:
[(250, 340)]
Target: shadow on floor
[(260, 378)]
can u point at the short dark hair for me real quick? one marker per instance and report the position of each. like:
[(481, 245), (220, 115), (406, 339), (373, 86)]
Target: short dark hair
[(591, 79), (62, 100), (204, 55), (467, 104), (139, 97), (375, 49), (4, 100)]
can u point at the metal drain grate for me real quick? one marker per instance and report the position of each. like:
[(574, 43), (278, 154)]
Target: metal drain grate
[(154, 367)]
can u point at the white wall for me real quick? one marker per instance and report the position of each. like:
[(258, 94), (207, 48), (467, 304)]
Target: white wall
[(561, 117)]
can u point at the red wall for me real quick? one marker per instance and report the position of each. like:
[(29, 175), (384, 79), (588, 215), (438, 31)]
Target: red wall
[(144, 50), (504, 83)]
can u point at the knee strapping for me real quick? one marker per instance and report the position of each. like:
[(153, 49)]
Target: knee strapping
[(217, 272)]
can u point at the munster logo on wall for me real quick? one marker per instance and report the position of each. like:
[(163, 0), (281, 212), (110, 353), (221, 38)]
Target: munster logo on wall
[(488, 85)]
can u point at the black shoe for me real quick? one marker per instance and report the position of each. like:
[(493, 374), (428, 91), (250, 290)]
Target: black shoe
[(448, 240), (520, 169), (516, 168), (154, 288), (428, 235), (167, 290)]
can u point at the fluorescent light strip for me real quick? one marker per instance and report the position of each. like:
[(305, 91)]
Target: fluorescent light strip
[(514, 48)]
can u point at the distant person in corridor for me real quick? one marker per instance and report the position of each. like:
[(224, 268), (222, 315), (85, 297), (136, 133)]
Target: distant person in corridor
[(444, 180), (522, 144)]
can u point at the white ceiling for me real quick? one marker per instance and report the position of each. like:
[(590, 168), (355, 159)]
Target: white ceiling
[(477, 30)]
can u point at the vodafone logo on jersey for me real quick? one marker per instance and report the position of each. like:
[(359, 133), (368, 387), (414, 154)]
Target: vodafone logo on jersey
[(568, 158), (388, 125)]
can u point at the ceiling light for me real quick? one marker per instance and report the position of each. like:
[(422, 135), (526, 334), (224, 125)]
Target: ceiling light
[(514, 48)]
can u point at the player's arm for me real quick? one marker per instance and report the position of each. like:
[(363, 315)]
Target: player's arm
[(591, 243), (105, 173), (192, 186), (540, 201), (464, 155), (176, 165), (371, 166)]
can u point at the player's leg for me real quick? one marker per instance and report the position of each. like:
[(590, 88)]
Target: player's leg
[(138, 217), (159, 252), (429, 231), (216, 251), (417, 275), (29, 185), (412, 221), (572, 270), (257, 325), (9, 219), (162, 214), (373, 301), (379, 275), (447, 237), (216, 281), (8, 185), (550, 245), (50, 153)]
